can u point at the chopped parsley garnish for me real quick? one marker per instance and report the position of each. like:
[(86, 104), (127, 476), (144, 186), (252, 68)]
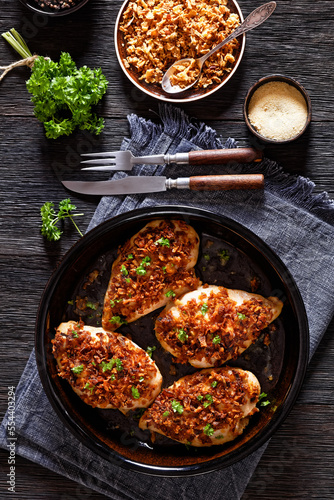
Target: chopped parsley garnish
[(216, 340), (224, 256), (182, 335), (107, 365), (261, 399), (75, 334), (170, 293), (135, 392), (204, 308), (206, 257), (141, 379), (150, 350), (165, 414), (141, 271), (130, 256), (200, 397), (127, 280), (110, 364), (124, 270), (91, 305), (89, 387), (119, 365), (209, 399), (265, 403), (241, 316), (113, 302), (164, 242), (208, 430), (118, 320), (164, 269), (214, 383), (93, 363), (177, 407), (70, 302), (77, 369)]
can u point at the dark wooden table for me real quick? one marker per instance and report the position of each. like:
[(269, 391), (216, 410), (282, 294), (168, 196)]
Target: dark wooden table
[(297, 41)]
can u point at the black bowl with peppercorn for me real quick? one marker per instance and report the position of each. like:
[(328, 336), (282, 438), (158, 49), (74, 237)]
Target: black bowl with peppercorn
[(54, 7)]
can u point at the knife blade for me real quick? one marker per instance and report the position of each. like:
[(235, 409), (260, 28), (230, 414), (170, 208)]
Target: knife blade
[(154, 184)]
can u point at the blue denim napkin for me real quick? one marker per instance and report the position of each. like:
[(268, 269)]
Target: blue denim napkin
[(297, 224)]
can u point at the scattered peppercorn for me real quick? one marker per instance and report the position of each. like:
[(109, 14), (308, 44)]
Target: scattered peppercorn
[(57, 4)]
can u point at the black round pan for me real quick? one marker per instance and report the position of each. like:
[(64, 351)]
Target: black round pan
[(278, 359)]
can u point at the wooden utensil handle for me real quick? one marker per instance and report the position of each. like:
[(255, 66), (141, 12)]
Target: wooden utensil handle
[(226, 182), (217, 156)]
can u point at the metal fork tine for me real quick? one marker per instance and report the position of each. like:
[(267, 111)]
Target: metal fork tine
[(101, 155), (116, 160), (100, 161), (121, 160)]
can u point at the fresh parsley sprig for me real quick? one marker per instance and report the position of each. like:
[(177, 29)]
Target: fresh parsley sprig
[(50, 218)]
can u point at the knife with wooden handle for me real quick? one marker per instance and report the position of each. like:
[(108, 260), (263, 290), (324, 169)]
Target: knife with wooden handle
[(154, 184)]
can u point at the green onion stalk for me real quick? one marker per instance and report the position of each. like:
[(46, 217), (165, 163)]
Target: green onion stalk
[(18, 43)]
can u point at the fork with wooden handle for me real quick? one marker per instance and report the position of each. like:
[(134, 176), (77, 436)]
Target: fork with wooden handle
[(125, 160)]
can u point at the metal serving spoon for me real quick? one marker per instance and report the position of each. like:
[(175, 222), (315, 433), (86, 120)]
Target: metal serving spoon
[(255, 18)]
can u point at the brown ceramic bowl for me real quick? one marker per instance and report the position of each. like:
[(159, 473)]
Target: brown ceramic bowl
[(276, 78), (155, 90), (35, 7), (278, 359)]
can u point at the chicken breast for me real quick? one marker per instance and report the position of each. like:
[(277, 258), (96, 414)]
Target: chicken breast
[(210, 325), (208, 408), (107, 370), (152, 268)]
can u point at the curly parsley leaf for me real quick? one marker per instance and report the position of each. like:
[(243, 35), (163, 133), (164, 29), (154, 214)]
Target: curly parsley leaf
[(135, 392), (64, 95), (182, 335), (177, 407), (150, 350), (77, 369), (208, 430), (204, 308), (50, 218), (164, 242), (241, 316)]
